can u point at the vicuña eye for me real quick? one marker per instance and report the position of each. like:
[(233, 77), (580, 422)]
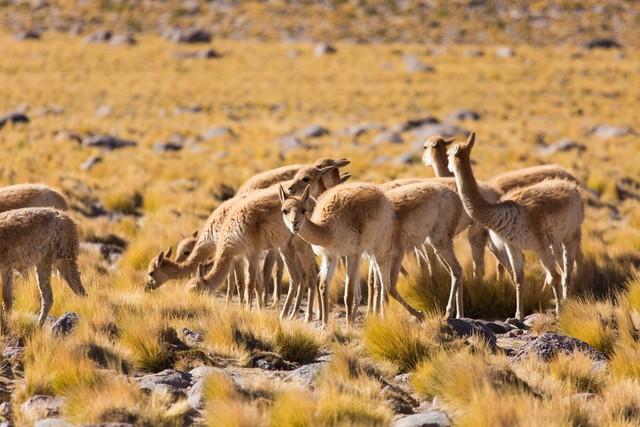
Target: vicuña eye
[(285, 211), (303, 211), (306, 179)]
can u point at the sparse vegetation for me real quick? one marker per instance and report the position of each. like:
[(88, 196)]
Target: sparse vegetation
[(243, 113)]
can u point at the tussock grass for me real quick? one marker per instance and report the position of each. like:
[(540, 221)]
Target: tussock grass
[(117, 400), (401, 341), (579, 372), (225, 406), (297, 343), (293, 408), (592, 322)]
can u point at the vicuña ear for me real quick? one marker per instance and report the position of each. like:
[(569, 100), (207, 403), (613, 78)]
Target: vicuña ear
[(168, 254), (470, 141), (326, 169), (342, 163), (305, 194), (344, 177), (158, 259), (282, 194), (195, 234), (455, 149), (449, 140)]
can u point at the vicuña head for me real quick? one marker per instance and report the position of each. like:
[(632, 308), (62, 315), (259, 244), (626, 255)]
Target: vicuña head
[(435, 147), (459, 153), (312, 176), (185, 247), (157, 271), (295, 209)]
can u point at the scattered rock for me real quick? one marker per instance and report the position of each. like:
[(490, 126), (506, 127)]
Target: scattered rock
[(322, 49), (163, 147), (104, 111), (192, 337), (100, 36), (49, 110), (468, 327), (415, 123), (40, 406), (497, 327), (13, 118), (13, 354), (107, 142), (608, 131), (428, 419), (306, 374), (359, 130), (413, 64), (290, 142), (188, 35), (216, 132), (627, 188), (111, 247), (28, 35), (123, 40), (52, 422), (171, 381), (270, 361), (547, 345), (189, 109), (464, 114), (531, 319), (313, 131), (388, 137), (90, 163), (197, 54), (562, 145), (65, 324), (195, 395), (602, 43), (5, 410), (443, 129), (64, 135), (505, 52), (399, 399), (515, 322)]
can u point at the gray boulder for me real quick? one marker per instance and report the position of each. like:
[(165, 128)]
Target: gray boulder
[(306, 374), (52, 422), (464, 114), (602, 43), (322, 49), (549, 344), (388, 137), (13, 117), (107, 142), (562, 145), (217, 132), (65, 324), (125, 39), (413, 64), (428, 419), (608, 131), (100, 36), (412, 124), (171, 381), (313, 131), (468, 327), (27, 35), (39, 407), (188, 35)]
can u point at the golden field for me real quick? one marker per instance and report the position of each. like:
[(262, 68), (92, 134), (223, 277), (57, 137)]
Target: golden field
[(261, 91)]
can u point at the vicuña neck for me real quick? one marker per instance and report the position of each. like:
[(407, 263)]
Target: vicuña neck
[(474, 203), (316, 234), (200, 253), (440, 166)]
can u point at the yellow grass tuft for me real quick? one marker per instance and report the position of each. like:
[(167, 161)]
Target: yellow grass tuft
[(591, 322)]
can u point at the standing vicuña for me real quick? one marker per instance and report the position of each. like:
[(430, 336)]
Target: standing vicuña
[(42, 237), (544, 217)]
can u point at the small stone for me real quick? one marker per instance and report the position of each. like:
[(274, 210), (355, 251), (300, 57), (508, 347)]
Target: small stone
[(516, 323), (464, 114), (505, 52), (123, 40), (198, 54), (65, 324), (164, 147), (40, 407), (216, 132), (468, 327), (322, 49), (188, 35), (413, 64), (602, 43), (306, 374), (428, 419), (388, 137), (562, 145), (313, 131), (194, 108), (28, 35), (104, 111), (192, 337), (411, 124), (107, 142), (100, 36), (90, 163), (5, 410), (52, 422), (171, 381), (627, 188), (608, 131), (13, 118), (547, 345)]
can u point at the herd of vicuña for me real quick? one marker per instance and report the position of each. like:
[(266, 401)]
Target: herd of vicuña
[(287, 217)]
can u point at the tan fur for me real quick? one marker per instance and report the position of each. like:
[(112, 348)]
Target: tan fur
[(42, 237), (428, 212), (31, 196), (349, 220), (545, 217), (527, 176)]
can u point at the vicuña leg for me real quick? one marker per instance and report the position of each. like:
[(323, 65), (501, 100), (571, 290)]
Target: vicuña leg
[(7, 290), (43, 275), (327, 270), (68, 269), (444, 249), (516, 259)]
